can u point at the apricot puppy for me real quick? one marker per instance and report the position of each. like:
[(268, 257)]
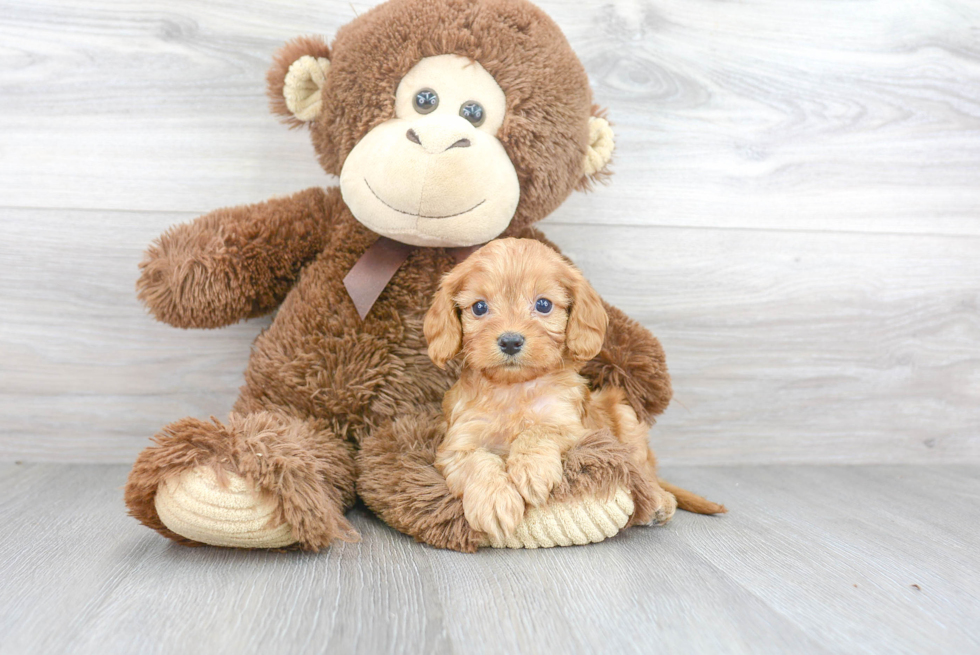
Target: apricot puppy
[(526, 322)]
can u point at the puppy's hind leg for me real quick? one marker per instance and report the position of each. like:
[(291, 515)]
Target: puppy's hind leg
[(657, 505), (681, 498), (665, 497), (663, 502), (684, 499)]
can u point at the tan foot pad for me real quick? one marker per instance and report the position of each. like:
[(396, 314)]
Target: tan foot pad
[(578, 522), (195, 506)]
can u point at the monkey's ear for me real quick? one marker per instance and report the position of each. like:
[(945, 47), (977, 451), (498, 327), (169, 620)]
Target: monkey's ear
[(297, 78), (602, 141)]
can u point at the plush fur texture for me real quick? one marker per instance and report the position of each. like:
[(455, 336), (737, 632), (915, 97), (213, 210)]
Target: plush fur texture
[(549, 101), (234, 263), (409, 494), (631, 361), (313, 46), (320, 380), (308, 470)]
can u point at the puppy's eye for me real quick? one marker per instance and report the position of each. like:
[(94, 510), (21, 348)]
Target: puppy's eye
[(426, 101), (480, 308), (543, 306), (473, 112)]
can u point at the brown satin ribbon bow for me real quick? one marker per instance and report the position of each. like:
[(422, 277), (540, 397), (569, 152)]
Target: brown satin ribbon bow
[(373, 271)]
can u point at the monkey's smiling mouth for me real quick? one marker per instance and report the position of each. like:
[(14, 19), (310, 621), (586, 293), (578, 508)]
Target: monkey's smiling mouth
[(401, 211)]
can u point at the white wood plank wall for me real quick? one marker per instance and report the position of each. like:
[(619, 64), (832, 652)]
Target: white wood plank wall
[(794, 213)]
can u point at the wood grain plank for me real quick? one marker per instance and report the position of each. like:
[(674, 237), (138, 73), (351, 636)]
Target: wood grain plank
[(813, 116), (776, 575), (784, 345), (889, 552), (115, 587), (643, 592), (799, 347)]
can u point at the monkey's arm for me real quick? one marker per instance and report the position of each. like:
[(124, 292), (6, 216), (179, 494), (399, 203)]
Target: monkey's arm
[(631, 358), (234, 263)]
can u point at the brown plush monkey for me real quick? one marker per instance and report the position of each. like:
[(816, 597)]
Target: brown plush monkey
[(449, 122)]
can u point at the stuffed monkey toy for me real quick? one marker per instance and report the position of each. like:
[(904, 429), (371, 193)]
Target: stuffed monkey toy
[(449, 123)]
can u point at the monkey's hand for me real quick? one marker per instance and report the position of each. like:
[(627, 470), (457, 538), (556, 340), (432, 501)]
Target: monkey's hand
[(632, 359), (234, 263)]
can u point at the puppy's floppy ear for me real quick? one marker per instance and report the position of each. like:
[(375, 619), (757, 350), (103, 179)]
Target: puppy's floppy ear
[(442, 327), (296, 79), (587, 320)]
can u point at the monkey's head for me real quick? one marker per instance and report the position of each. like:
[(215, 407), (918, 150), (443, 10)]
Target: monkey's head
[(449, 122)]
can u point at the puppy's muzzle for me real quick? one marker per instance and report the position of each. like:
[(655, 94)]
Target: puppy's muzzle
[(510, 343)]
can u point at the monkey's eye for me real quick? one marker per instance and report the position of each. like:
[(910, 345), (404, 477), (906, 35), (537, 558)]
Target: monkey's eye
[(480, 307), (543, 306), (473, 112), (426, 101)]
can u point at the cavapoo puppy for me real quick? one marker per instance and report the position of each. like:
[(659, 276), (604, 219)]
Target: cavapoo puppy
[(526, 322)]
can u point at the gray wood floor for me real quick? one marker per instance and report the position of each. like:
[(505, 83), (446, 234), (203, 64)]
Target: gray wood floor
[(877, 559)]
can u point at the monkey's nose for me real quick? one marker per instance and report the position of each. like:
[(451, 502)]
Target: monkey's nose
[(413, 136), (439, 134), (510, 343)]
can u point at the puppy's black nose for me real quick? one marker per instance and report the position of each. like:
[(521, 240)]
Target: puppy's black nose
[(510, 343)]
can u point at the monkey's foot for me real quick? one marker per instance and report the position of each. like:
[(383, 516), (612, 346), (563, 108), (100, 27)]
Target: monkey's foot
[(574, 522), (195, 505)]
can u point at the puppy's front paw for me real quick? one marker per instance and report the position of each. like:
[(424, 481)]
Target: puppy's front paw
[(534, 477), (497, 510)]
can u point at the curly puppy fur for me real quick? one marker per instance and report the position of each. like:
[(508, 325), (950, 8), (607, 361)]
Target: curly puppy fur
[(331, 380), (525, 321)]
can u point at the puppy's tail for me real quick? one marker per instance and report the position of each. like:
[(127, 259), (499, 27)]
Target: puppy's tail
[(691, 502)]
